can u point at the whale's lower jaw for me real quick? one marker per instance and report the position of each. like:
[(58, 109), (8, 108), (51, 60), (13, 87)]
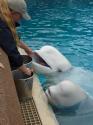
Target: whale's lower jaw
[(49, 70), (41, 69)]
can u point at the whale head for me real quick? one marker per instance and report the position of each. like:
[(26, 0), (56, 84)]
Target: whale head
[(49, 60), (66, 93)]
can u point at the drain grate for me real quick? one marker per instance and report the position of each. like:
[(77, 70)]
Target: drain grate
[(29, 112)]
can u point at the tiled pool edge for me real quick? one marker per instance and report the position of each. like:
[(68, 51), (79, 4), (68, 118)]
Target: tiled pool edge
[(45, 111), (46, 114)]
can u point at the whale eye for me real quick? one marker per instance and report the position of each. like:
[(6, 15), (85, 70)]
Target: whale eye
[(59, 70)]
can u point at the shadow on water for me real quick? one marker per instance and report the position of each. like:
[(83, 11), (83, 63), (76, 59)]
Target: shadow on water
[(75, 116)]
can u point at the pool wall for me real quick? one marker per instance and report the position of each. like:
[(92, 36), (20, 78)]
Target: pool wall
[(10, 106)]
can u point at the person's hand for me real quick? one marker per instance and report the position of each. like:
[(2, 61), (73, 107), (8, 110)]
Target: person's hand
[(26, 70), (29, 71)]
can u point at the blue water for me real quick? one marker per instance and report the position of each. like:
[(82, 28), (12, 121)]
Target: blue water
[(68, 26), (65, 24)]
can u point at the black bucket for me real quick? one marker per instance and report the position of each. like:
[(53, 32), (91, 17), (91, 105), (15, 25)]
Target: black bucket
[(23, 83)]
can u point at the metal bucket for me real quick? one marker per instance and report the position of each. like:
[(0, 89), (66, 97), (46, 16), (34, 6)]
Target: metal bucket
[(23, 83), (27, 60)]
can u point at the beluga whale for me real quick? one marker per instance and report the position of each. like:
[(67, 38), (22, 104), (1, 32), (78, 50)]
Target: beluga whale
[(51, 63), (49, 60), (66, 86)]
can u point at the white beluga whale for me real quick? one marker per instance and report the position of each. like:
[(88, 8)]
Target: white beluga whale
[(49, 60), (66, 93), (70, 103), (68, 87), (56, 68)]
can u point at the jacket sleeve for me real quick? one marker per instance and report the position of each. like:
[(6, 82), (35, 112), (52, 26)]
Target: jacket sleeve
[(8, 44)]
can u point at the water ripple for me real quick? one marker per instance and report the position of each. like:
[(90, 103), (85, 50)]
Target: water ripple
[(65, 24)]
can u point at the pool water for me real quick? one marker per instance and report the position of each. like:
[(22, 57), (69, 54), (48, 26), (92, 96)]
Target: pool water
[(68, 26), (64, 24)]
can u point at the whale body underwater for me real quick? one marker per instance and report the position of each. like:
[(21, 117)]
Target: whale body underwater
[(67, 86)]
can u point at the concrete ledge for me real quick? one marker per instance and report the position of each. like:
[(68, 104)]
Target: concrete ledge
[(10, 113), (46, 114)]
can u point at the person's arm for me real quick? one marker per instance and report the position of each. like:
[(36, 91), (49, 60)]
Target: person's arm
[(8, 44), (27, 49)]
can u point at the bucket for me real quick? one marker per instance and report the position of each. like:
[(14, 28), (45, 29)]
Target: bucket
[(23, 83), (27, 60)]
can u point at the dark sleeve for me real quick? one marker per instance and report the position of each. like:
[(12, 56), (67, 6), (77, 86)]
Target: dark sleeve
[(8, 44)]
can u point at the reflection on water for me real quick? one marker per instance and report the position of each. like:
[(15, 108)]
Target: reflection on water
[(86, 119), (82, 115)]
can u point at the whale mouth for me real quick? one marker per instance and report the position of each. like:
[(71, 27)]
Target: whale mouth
[(38, 59), (48, 94)]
